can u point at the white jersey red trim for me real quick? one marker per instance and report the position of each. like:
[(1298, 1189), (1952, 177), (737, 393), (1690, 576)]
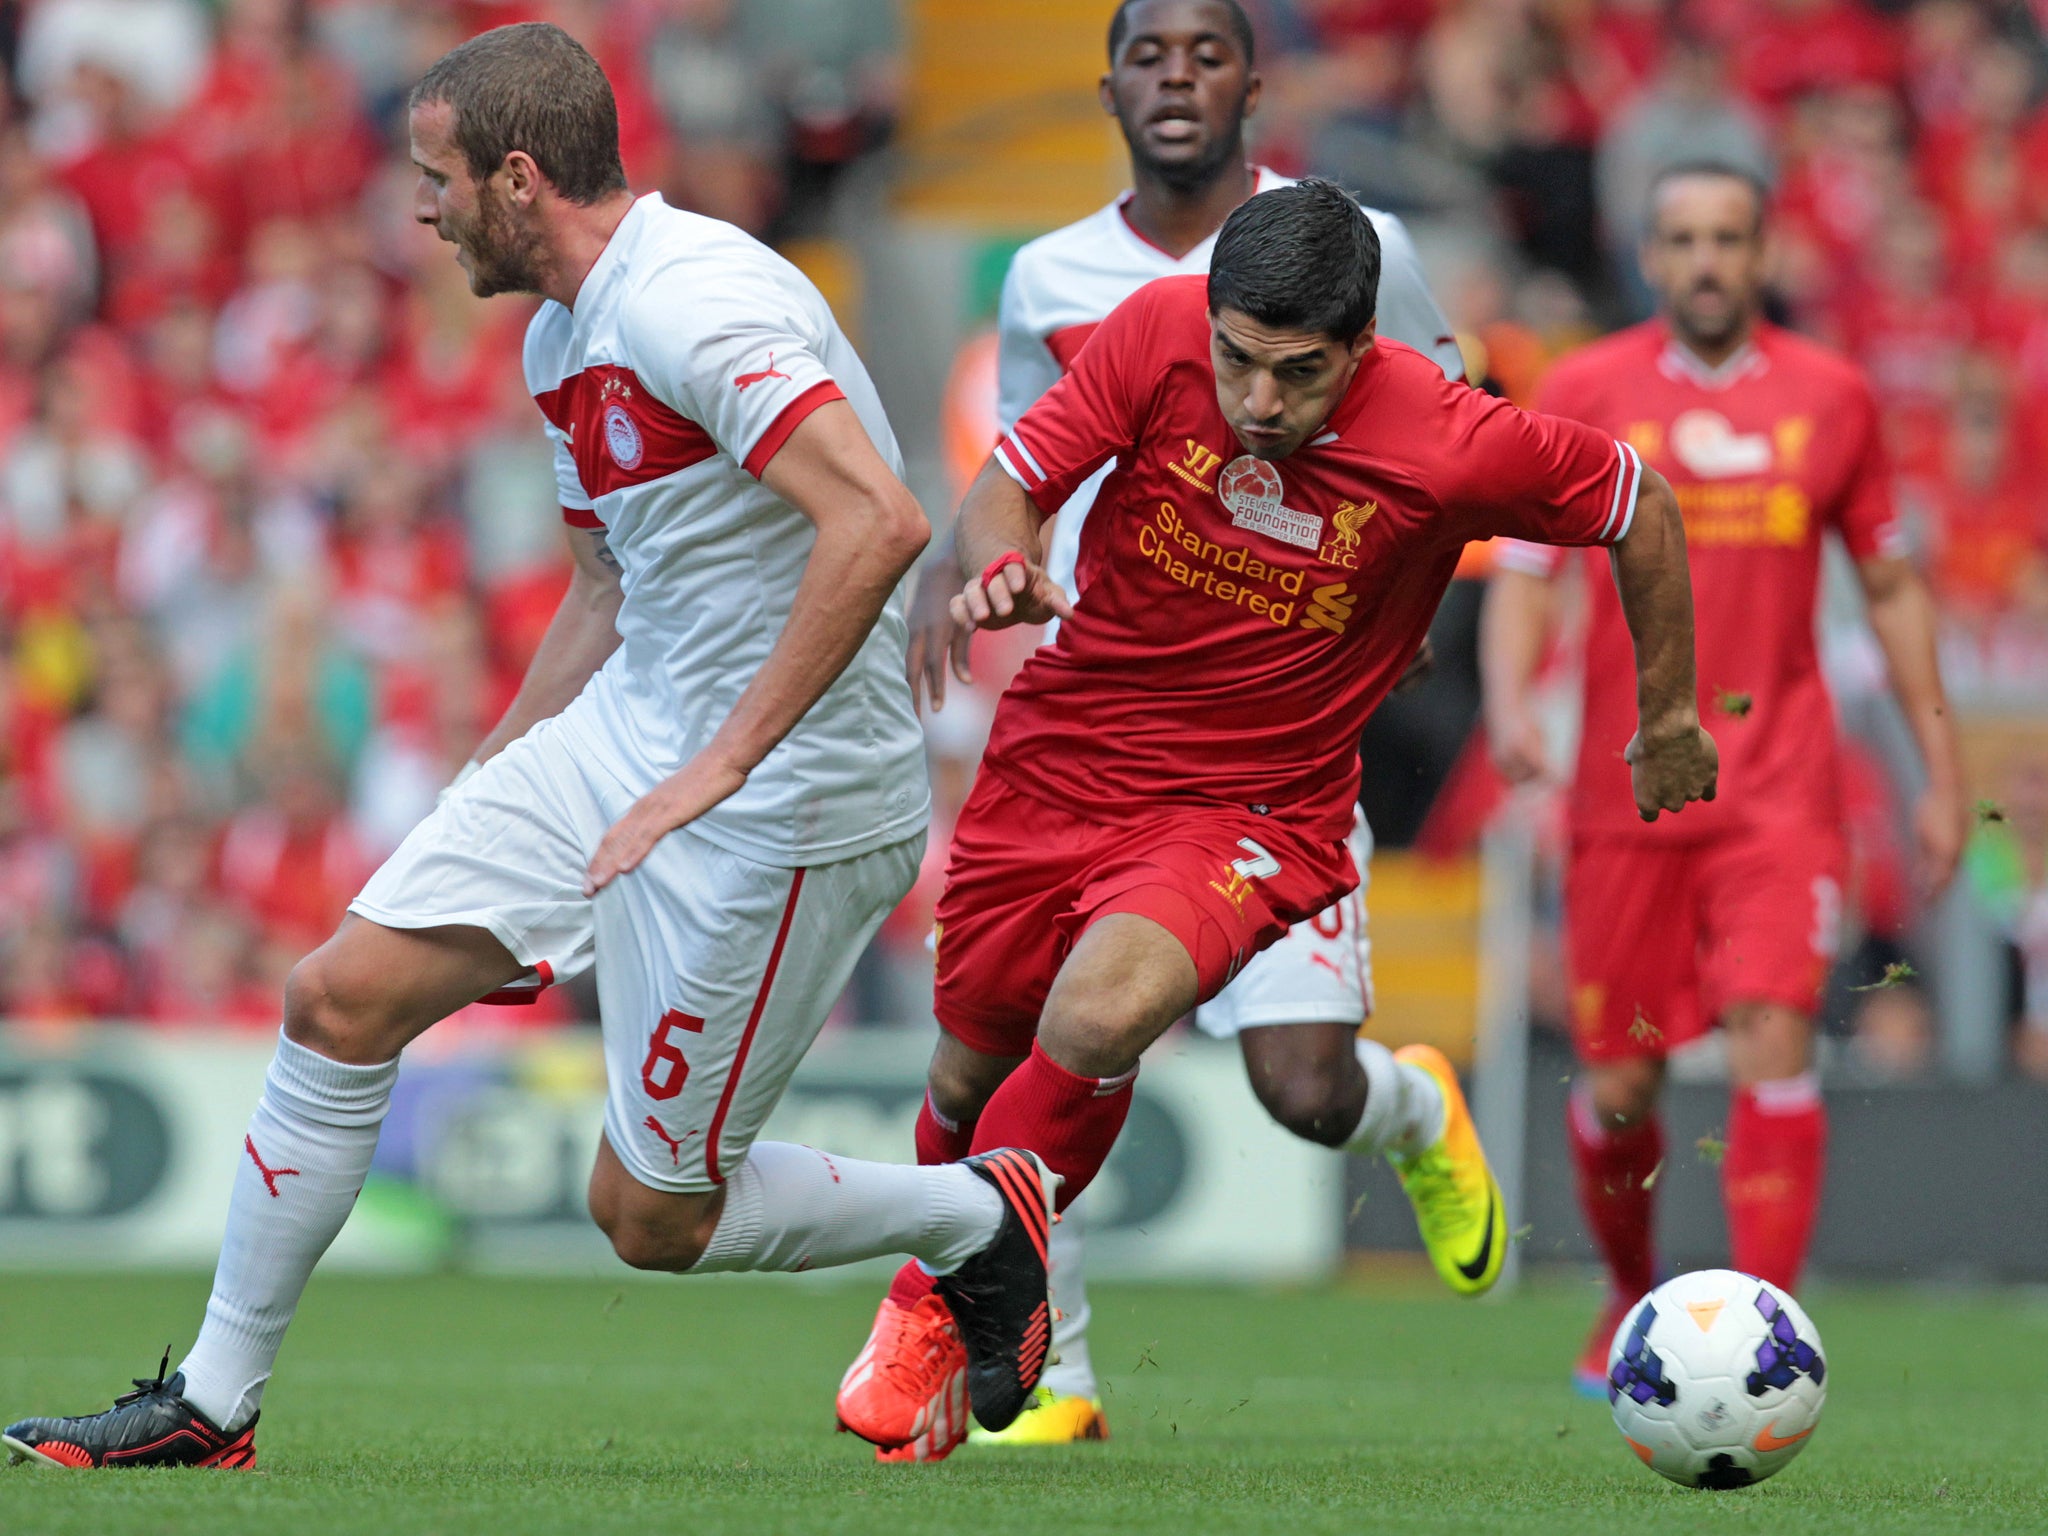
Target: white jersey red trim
[(692, 353), (1063, 284)]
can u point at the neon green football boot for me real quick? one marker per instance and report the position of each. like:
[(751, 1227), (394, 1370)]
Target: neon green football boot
[(1456, 1198), (1052, 1419)]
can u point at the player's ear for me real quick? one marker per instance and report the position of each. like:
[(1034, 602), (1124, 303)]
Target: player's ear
[(1105, 92), (522, 178), (1362, 342), (1253, 86)]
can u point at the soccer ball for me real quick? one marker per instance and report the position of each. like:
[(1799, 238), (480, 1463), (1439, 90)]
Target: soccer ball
[(1717, 1379)]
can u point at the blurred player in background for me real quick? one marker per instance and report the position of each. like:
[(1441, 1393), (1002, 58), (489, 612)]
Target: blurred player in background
[(1170, 784), (1729, 914), (1180, 84), (710, 786)]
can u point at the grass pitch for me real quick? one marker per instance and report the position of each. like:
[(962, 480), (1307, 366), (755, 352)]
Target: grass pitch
[(406, 1407)]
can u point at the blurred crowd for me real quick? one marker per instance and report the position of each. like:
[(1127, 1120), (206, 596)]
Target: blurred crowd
[(1908, 145), (277, 529), (277, 532), (1906, 142)]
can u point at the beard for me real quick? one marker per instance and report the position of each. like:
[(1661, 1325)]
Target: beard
[(502, 254), (1709, 329)]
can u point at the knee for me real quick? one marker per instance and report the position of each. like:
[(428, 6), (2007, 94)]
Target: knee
[(962, 1080), (647, 1246), (1099, 1032), (1767, 1041), (650, 1231), (1313, 1110), (320, 1014), (1625, 1093)]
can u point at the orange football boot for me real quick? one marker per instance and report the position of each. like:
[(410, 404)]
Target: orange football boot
[(906, 1391)]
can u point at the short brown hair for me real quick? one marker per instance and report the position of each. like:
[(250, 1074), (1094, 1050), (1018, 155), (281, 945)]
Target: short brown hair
[(531, 87)]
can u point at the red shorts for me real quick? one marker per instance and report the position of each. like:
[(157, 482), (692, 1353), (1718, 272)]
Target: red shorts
[(1662, 939), (1027, 878)]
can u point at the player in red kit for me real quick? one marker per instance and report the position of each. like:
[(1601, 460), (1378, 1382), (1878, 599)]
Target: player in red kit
[(1727, 915), (1169, 784)]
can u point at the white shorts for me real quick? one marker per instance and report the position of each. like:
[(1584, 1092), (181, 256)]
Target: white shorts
[(714, 972), (1318, 972)]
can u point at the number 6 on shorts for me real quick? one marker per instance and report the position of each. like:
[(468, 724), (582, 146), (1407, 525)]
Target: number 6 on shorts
[(661, 1053)]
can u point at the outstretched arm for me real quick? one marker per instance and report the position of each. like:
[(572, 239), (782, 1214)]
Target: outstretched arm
[(580, 637), (1673, 760), (870, 530), (1902, 616)]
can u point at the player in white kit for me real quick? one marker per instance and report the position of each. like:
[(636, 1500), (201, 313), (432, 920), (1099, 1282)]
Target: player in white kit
[(711, 785), (1180, 85)]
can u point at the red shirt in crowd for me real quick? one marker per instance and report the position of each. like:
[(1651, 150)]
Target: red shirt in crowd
[(1240, 618), (1766, 453)]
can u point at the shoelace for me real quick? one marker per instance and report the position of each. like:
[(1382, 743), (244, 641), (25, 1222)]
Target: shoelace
[(1433, 1186), (917, 1376), (144, 1387)]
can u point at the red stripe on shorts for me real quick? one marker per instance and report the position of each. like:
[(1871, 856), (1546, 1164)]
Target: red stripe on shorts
[(739, 1060)]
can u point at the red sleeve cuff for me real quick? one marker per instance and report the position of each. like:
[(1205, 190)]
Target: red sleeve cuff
[(583, 517), (770, 443)]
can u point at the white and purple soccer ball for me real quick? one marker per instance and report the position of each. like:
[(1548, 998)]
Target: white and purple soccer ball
[(1717, 1379)]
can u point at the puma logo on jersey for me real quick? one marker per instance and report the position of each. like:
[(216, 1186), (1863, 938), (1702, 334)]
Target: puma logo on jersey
[(749, 380), (1330, 608)]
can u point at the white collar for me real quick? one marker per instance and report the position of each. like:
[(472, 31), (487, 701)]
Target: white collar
[(1680, 363)]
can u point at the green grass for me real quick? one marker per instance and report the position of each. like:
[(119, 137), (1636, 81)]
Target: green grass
[(406, 1407)]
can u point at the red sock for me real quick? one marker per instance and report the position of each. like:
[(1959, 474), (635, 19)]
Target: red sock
[(938, 1141), (1771, 1175), (1068, 1120), (1613, 1167), (941, 1141)]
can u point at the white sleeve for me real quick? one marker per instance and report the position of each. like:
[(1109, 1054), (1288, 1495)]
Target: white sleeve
[(570, 495), (736, 356), (575, 502), (1408, 310), (1025, 366)]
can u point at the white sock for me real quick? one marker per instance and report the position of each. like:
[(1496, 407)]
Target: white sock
[(1404, 1107), (314, 1132), (1073, 1376), (793, 1208)]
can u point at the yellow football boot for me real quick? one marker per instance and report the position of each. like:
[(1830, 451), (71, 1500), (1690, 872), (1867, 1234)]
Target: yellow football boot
[(1050, 1420), (1456, 1198)]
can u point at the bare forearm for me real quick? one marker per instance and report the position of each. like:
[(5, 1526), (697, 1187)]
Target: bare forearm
[(1651, 576), (1902, 617), (995, 517), (846, 584), (579, 639)]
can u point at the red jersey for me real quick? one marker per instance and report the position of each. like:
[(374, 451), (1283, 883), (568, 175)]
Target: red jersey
[(1766, 453), (1240, 618)]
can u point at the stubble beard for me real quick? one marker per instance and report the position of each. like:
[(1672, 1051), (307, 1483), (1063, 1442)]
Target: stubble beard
[(502, 255)]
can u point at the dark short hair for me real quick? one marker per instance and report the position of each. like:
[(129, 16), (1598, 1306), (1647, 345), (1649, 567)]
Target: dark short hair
[(1299, 258), (1725, 170), (1240, 27), (532, 87)]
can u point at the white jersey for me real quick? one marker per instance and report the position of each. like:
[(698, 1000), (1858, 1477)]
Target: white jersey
[(691, 355), (1062, 285)]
